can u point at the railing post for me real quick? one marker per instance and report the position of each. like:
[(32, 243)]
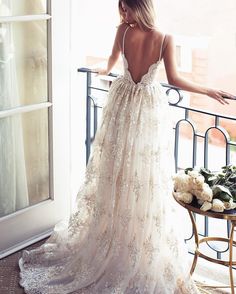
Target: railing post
[(176, 147), (95, 117), (88, 116)]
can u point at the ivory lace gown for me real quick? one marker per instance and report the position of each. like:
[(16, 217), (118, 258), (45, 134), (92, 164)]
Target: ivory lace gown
[(123, 237)]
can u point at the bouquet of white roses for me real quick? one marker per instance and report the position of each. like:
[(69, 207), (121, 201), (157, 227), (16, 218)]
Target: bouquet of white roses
[(214, 191)]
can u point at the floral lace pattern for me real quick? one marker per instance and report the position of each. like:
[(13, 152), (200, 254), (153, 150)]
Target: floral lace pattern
[(122, 236)]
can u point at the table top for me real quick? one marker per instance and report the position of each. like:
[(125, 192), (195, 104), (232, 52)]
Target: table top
[(195, 207)]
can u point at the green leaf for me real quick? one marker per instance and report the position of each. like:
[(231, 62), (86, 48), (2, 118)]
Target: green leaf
[(218, 189), (223, 196), (233, 192), (205, 172), (229, 168), (232, 178), (188, 169), (220, 175), (211, 180)]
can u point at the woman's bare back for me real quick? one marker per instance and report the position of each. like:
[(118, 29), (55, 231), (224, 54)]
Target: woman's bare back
[(141, 50)]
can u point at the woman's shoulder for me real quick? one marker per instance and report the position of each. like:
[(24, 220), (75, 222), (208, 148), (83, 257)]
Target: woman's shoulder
[(122, 27), (161, 34)]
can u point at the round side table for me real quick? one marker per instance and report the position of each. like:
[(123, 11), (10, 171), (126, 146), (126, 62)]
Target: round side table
[(229, 215)]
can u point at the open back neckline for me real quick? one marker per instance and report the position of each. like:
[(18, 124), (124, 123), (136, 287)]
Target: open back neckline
[(153, 65)]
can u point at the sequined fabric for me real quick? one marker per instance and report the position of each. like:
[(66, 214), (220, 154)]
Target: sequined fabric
[(123, 236)]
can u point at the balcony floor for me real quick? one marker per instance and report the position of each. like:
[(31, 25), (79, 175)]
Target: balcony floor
[(9, 275), (9, 272)]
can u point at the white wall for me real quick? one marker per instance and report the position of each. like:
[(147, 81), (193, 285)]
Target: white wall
[(78, 96)]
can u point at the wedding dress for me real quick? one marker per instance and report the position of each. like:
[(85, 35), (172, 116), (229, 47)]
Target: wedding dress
[(124, 235)]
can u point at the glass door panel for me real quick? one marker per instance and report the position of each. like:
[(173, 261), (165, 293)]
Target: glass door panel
[(22, 7), (23, 63), (24, 161)]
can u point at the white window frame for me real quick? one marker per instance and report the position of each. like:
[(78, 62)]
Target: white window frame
[(36, 222)]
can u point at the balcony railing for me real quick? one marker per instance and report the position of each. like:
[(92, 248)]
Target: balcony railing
[(197, 145)]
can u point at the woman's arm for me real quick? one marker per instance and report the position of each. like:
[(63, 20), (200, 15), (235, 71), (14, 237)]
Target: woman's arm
[(116, 50), (175, 79)]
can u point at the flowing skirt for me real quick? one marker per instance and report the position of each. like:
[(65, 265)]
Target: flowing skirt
[(123, 235)]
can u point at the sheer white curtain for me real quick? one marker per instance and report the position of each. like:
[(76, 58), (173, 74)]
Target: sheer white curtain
[(13, 181), (35, 87)]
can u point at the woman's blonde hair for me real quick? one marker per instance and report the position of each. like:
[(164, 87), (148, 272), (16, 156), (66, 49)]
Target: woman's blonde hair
[(143, 13)]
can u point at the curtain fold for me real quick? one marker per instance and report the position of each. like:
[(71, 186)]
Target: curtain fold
[(13, 180)]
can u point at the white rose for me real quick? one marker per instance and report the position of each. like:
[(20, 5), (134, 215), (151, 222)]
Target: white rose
[(217, 205), (206, 206), (204, 194), (229, 205), (186, 197), (207, 193), (198, 194), (193, 173), (181, 182), (197, 182)]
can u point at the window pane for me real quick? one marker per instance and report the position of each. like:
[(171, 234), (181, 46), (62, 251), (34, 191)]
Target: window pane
[(22, 7), (24, 161), (23, 63)]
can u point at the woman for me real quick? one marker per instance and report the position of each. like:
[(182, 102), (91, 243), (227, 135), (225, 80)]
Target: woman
[(123, 236)]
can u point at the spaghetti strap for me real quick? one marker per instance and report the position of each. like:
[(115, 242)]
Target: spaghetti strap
[(162, 47), (123, 43)]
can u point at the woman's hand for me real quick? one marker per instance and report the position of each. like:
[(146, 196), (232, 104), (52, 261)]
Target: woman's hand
[(220, 96), (101, 71)]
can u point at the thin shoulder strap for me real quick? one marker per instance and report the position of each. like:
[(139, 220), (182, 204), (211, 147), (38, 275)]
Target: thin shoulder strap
[(123, 43), (162, 42)]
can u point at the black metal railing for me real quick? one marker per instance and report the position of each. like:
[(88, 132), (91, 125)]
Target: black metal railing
[(216, 119)]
